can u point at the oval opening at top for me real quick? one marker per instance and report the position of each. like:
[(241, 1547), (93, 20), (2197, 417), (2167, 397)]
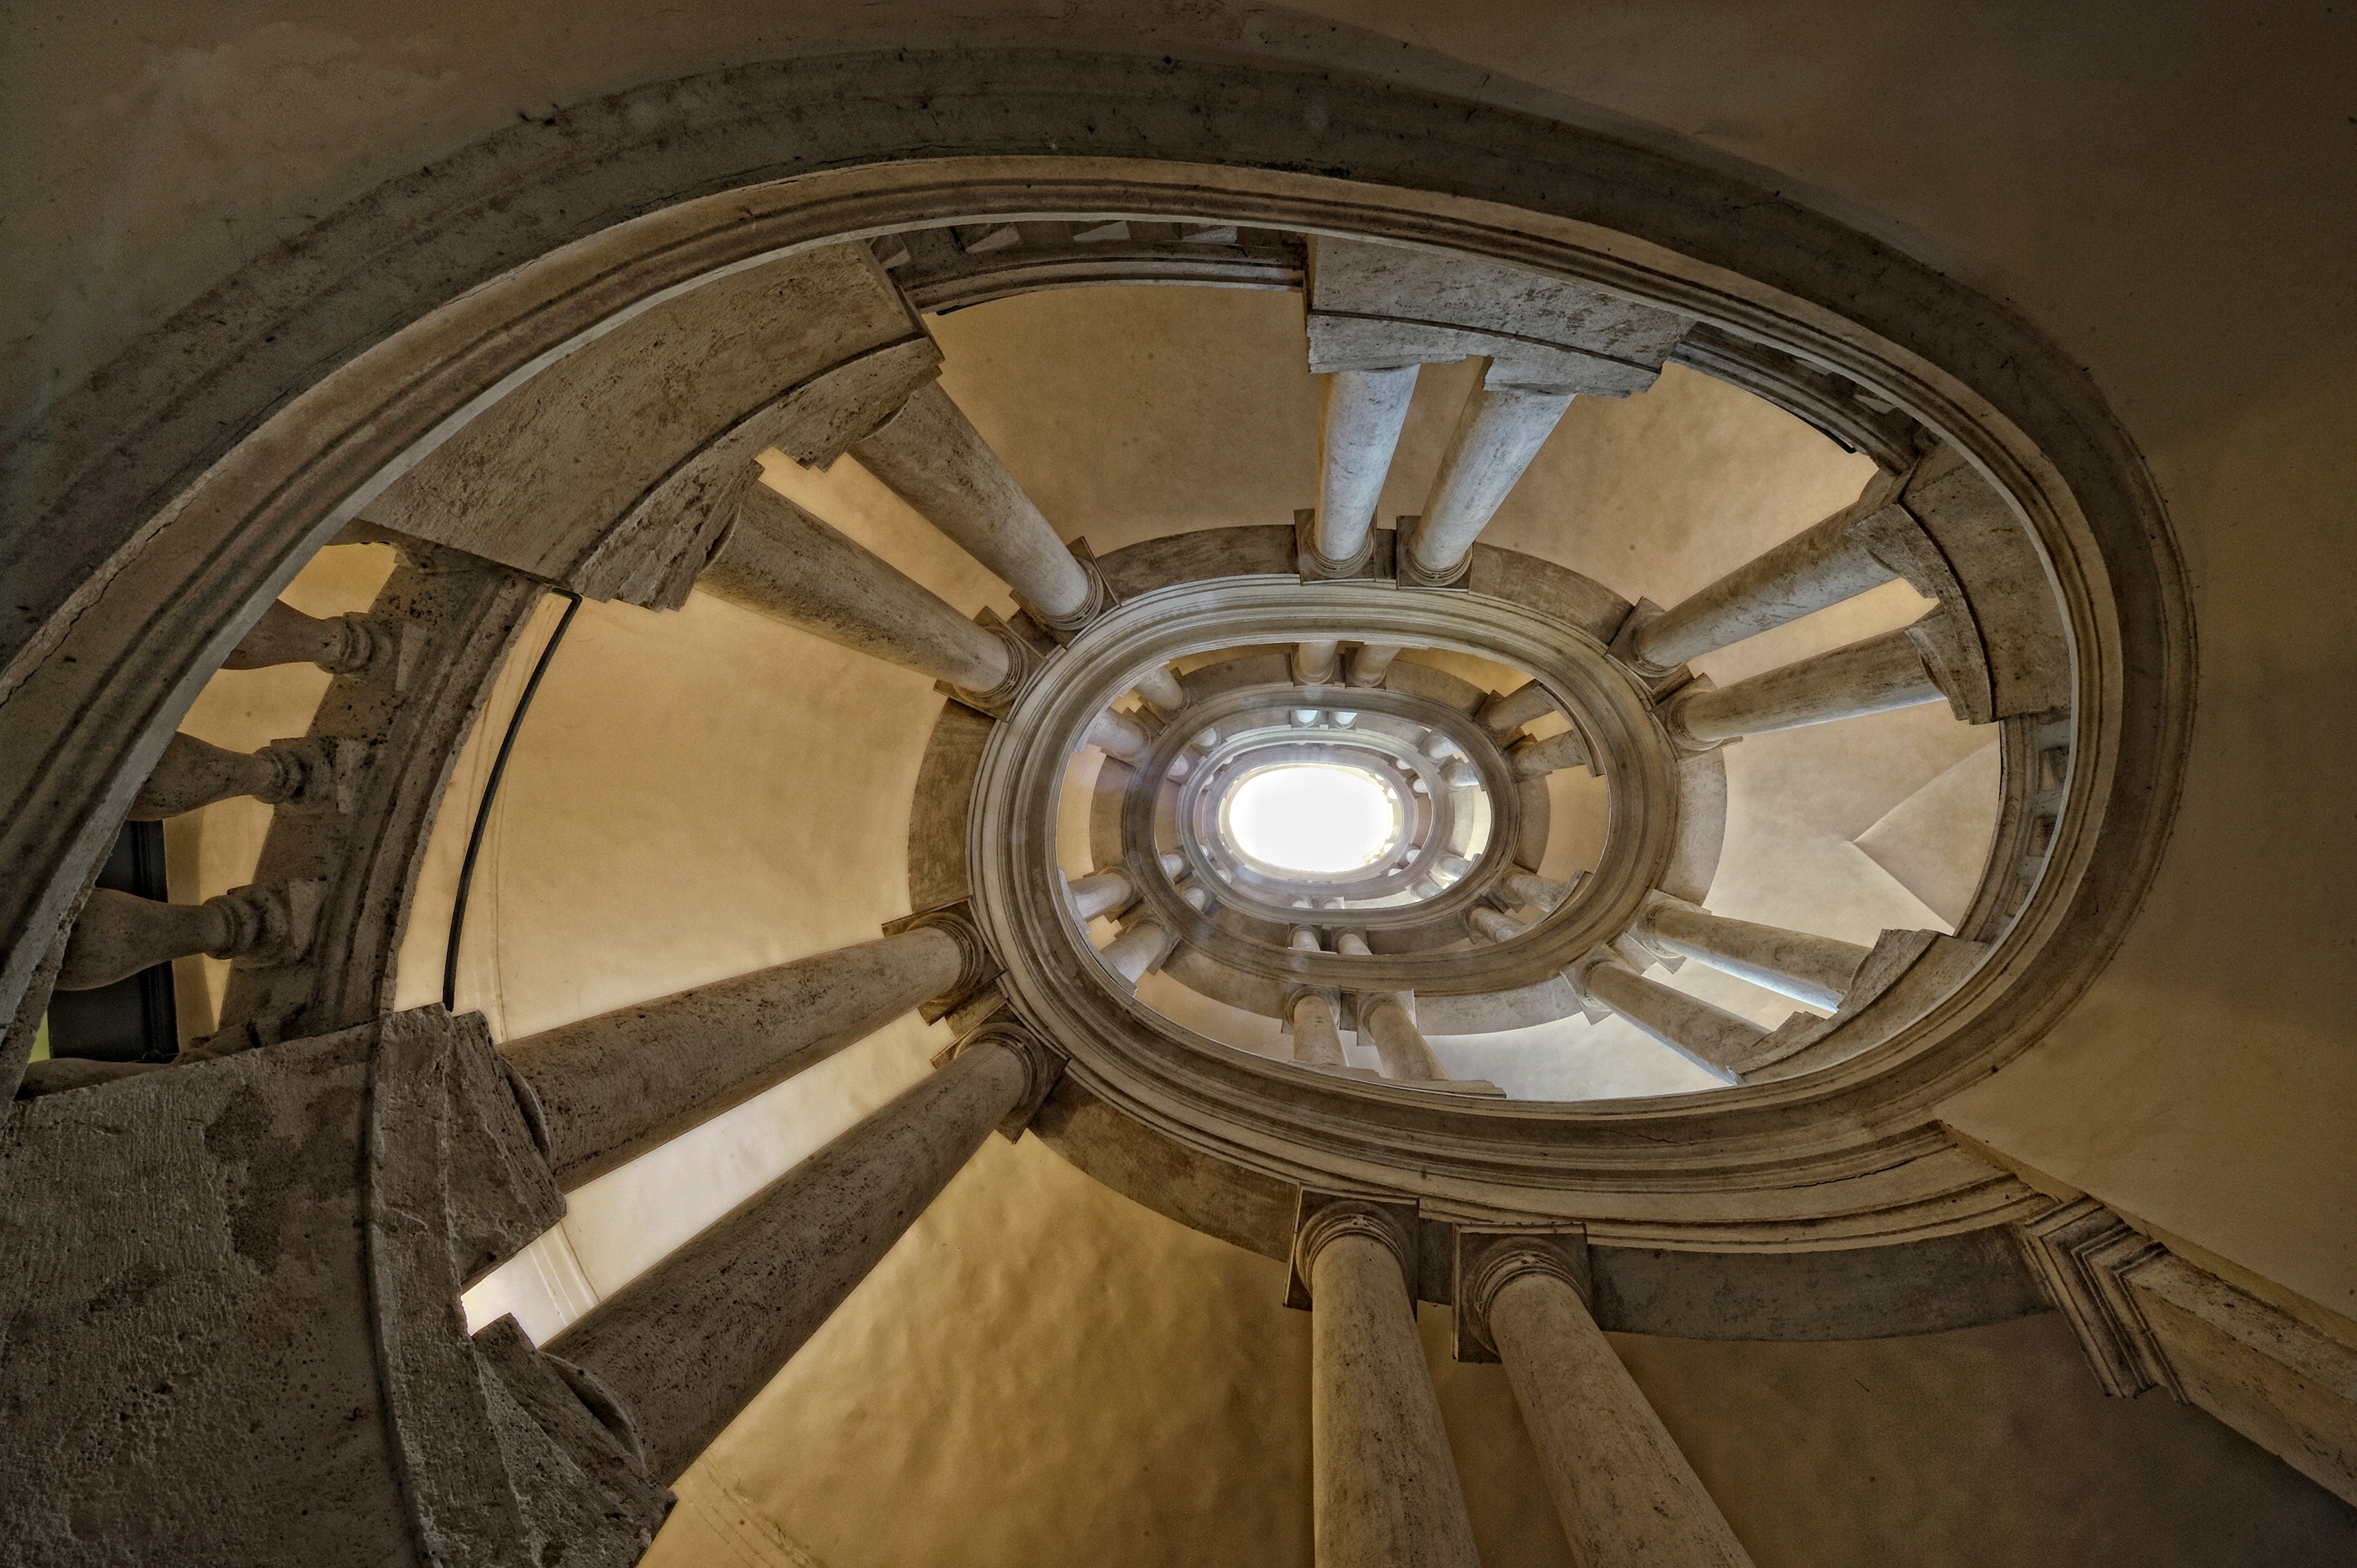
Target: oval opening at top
[(1315, 818)]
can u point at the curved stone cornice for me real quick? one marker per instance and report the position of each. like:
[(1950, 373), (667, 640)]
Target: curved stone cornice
[(250, 429)]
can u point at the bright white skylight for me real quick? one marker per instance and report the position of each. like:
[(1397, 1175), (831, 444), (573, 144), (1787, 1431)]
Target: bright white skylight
[(1312, 817)]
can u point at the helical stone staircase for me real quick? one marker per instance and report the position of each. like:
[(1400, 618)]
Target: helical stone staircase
[(1239, 1042)]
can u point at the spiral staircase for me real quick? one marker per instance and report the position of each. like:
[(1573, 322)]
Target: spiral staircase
[(1248, 1039)]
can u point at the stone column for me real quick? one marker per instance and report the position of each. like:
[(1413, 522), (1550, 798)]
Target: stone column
[(1500, 431), (687, 1344), (1817, 567), (1812, 969), (930, 455), (1160, 687), (1537, 758), (1370, 663), (1538, 891), (1626, 1496), (1138, 949), (1117, 735), (782, 563), (612, 1087), (1102, 893), (1363, 412), (1510, 710), (1385, 1493), (1314, 1012), (1711, 1038), (1868, 677), (1493, 926), (1317, 663), (1385, 1020)]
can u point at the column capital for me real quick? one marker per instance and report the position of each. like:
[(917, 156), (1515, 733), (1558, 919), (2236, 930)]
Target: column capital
[(1486, 1261), (1326, 1217), (1042, 1064), (977, 966), (1100, 598), (1023, 661)]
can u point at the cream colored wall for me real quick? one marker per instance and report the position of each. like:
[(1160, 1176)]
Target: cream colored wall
[(2154, 187)]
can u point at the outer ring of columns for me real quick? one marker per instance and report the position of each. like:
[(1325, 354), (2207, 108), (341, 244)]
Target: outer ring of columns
[(232, 456), (1012, 832)]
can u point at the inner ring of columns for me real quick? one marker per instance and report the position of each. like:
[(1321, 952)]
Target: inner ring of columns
[(1199, 793), (1054, 978)]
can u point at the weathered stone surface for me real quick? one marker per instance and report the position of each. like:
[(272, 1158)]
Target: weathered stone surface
[(612, 1087), (283, 1303), (686, 1344), (556, 478)]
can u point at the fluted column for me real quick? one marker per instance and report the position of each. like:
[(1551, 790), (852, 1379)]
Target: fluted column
[(1363, 412), (1385, 1492), (930, 455), (1370, 663), (1869, 677), (1816, 568), (1537, 758), (1627, 1496), (686, 1344), (1102, 893), (1385, 1020), (783, 562), (1808, 967), (612, 1087), (1711, 1038), (1500, 431)]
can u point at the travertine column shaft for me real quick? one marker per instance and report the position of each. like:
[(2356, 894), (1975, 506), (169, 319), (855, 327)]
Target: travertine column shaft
[(1812, 969), (615, 1085), (1370, 662), (687, 1344), (1363, 412), (1500, 431), (1387, 1493), (1538, 891), (1817, 567), (1868, 677), (782, 563), (1317, 1035), (930, 455), (1136, 950), (1711, 1038), (1493, 926), (1116, 734), (1537, 758), (1509, 711), (1160, 686), (1102, 893), (1627, 1496), (1317, 663), (1398, 1043)]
